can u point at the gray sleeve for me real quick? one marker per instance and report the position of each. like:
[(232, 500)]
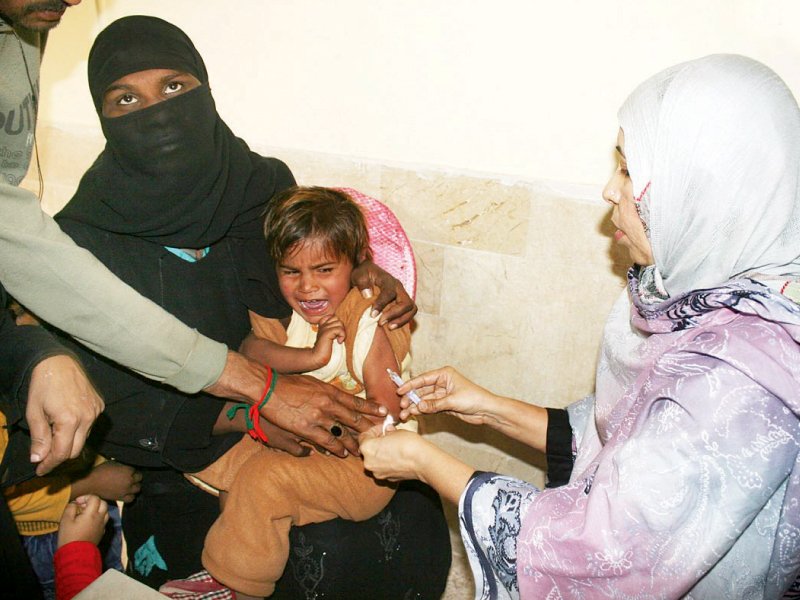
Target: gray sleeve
[(68, 287)]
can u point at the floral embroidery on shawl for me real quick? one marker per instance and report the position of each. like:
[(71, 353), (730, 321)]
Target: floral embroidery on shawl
[(683, 312), (490, 536)]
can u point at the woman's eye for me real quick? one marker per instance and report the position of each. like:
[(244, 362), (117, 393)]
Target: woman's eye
[(172, 87), (126, 99)]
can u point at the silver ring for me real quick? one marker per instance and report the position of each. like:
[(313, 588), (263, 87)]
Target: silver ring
[(336, 429)]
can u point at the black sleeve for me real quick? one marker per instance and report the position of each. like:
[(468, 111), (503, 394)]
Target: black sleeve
[(21, 349), (560, 457)]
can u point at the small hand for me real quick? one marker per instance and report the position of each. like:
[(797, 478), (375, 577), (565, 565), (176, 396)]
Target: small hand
[(62, 406), (111, 481), (284, 440), (309, 409), (329, 329), (394, 456), (277, 437), (393, 301), (84, 520)]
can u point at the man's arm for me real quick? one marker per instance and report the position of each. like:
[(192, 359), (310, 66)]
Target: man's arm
[(66, 286)]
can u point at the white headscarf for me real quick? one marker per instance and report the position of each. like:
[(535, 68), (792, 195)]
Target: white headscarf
[(718, 139)]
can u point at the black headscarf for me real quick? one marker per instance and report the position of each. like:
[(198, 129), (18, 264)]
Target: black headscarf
[(173, 173)]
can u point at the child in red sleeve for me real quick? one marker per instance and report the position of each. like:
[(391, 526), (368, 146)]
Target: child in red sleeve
[(77, 560)]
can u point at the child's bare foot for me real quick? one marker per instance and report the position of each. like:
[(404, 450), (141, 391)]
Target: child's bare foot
[(84, 520), (111, 481)]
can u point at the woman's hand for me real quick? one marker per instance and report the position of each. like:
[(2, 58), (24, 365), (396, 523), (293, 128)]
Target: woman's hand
[(401, 454), (393, 301), (446, 390), (277, 437), (281, 439), (394, 456)]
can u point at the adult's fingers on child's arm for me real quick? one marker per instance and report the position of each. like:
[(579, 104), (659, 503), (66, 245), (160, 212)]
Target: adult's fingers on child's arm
[(395, 312)]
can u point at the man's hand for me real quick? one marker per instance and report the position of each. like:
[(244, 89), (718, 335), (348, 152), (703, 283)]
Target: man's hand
[(310, 408), (241, 380), (62, 406), (301, 405), (393, 301)]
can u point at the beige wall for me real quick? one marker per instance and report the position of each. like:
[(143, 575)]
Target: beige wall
[(523, 88), (488, 127)]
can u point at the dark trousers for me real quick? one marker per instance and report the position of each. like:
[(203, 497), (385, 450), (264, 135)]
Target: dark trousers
[(403, 552), (16, 572)]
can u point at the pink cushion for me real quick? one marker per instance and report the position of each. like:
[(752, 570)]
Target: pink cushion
[(391, 249)]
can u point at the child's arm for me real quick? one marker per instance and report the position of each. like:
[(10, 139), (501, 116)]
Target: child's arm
[(110, 480), (379, 387), (285, 359), (46, 498)]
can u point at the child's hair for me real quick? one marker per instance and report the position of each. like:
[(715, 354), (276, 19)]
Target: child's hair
[(316, 213)]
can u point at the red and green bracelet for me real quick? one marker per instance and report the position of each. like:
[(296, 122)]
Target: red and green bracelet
[(252, 411)]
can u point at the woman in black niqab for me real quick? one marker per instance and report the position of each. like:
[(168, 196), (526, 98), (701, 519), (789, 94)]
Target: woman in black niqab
[(173, 177)]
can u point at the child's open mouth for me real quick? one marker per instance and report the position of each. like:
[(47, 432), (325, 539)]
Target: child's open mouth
[(313, 306)]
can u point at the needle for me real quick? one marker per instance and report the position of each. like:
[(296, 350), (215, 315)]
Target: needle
[(398, 381)]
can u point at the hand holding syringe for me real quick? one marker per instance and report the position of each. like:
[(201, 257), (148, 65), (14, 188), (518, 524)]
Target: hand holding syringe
[(398, 381), (412, 395)]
